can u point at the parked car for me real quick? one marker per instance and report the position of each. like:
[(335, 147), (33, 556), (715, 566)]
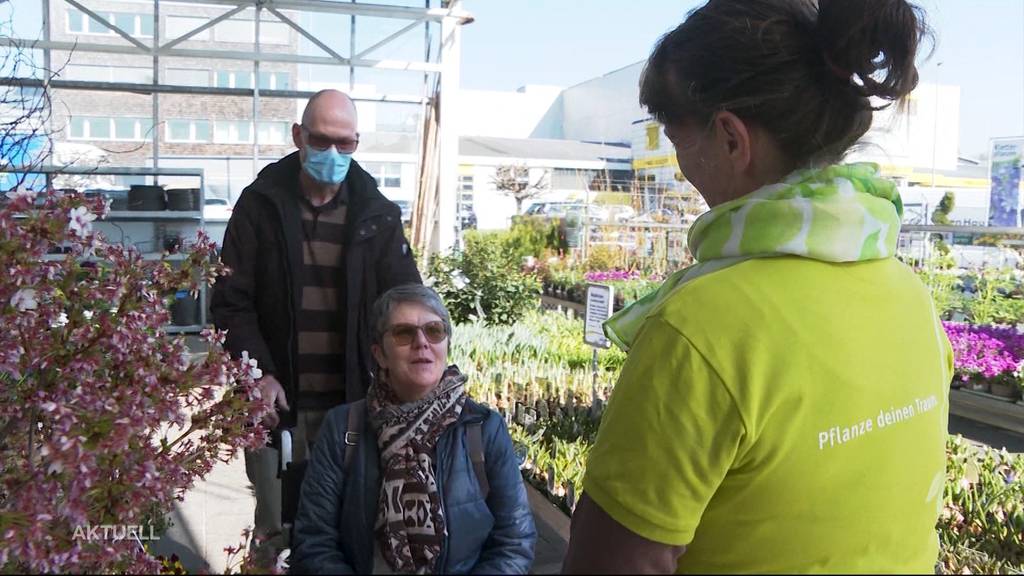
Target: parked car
[(215, 208), (620, 212), (563, 209), (467, 218)]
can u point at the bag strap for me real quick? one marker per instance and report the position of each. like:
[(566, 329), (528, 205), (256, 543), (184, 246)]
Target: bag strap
[(356, 410), (475, 440)]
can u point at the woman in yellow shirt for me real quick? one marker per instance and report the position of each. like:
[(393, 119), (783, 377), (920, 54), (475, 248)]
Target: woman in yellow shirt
[(784, 404)]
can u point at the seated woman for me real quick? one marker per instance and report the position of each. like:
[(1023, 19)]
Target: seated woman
[(428, 481)]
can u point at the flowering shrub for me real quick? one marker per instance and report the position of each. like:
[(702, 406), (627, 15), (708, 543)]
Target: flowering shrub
[(483, 282), (104, 421), (242, 560), (986, 353)]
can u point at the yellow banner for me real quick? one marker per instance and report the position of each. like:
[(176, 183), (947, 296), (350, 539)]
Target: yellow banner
[(654, 162)]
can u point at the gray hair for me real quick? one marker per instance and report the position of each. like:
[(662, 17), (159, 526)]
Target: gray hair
[(405, 293)]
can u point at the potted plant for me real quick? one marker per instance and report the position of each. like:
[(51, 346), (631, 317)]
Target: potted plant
[(1006, 385), (978, 383)]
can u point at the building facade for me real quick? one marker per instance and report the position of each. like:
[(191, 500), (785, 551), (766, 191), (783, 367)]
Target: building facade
[(212, 132)]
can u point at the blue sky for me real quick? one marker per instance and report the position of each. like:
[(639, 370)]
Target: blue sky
[(563, 42), (512, 43)]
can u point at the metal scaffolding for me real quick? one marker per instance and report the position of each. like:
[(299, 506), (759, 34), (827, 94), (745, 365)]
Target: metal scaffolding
[(442, 67)]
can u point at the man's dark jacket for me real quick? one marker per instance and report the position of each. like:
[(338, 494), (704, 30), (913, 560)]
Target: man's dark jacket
[(257, 302)]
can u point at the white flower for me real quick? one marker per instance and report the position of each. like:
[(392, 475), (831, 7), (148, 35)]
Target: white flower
[(81, 221), (62, 320), (24, 299), (459, 280), (255, 372), (21, 193)]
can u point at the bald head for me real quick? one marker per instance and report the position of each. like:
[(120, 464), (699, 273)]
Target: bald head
[(329, 114), (327, 103)]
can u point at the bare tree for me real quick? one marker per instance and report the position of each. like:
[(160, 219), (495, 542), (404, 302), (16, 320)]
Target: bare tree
[(25, 105), (514, 181)]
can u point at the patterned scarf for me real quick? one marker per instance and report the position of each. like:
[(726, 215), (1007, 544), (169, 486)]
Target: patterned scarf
[(843, 213), (410, 520)]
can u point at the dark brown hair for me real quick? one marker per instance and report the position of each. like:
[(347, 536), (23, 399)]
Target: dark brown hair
[(804, 71)]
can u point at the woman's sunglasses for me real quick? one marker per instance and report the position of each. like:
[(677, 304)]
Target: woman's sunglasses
[(404, 334)]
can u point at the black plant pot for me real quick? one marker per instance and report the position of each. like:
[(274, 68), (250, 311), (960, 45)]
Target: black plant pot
[(183, 199), (1009, 391), (184, 310), (146, 198)]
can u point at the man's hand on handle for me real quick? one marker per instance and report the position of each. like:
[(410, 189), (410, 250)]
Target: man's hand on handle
[(272, 390)]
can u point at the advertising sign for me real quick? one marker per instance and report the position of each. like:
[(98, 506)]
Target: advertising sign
[(1004, 175)]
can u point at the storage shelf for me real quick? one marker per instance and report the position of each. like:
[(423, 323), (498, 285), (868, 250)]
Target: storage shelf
[(148, 256), (103, 170), (152, 215), (158, 218), (183, 329)]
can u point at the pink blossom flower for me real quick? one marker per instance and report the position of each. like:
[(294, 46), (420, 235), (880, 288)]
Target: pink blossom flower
[(81, 221), (250, 365), (24, 299)]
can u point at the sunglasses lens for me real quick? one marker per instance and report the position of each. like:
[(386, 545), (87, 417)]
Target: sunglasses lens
[(434, 331), (404, 334)]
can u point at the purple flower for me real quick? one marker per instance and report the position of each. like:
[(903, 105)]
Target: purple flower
[(985, 351)]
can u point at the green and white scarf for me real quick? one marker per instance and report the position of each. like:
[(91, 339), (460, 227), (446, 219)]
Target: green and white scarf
[(842, 213)]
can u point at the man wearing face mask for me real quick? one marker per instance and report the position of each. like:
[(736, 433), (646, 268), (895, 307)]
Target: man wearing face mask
[(311, 244)]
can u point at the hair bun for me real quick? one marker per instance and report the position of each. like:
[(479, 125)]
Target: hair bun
[(874, 41)]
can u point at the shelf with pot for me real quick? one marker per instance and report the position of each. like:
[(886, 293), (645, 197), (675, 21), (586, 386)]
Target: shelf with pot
[(155, 219)]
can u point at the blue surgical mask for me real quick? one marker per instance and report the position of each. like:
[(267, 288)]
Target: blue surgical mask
[(326, 166)]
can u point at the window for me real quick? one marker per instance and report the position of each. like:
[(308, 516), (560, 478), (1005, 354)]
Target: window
[(177, 26), (271, 31), (274, 81), (243, 79), (234, 31), (184, 130), (387, 174), (93, 73), (273, 133), (124, 129), (274, 33), (232, 132), (135, 24), (187, 77), (465, 199), (234, 79), (121, 128), (76, 21)]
